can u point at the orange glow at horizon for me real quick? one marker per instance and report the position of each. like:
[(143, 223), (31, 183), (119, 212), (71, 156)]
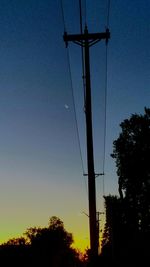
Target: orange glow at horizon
[(79, 243), (77, 226)]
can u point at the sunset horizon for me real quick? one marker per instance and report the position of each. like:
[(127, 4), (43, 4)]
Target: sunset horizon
[(45, 168)]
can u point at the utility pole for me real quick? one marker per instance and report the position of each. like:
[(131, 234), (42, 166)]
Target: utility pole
[(98, 213), (86, 40)]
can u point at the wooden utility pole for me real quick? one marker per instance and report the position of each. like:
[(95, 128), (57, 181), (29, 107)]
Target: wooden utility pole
[(98, 213), (86, 40)]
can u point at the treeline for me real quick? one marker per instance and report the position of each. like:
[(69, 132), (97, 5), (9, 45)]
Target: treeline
[(49, 246), (126, 238)]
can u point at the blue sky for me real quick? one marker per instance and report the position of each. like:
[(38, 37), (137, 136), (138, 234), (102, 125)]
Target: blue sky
[(40, 164)]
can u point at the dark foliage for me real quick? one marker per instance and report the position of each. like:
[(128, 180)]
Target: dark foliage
[(132, 155), (49, 246), (127, 230)]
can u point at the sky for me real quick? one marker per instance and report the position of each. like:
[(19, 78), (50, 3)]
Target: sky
[(41, 167)]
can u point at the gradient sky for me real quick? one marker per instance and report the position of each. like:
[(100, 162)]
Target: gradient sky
[(41, 172)]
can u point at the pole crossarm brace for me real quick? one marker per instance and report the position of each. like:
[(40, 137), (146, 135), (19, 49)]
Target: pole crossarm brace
[(91, 38), (96, 174)]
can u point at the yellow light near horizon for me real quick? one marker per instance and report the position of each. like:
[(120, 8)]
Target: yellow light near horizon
[(81, 244), (5, 236)]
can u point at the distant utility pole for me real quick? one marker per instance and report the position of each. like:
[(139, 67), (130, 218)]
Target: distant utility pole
[(86, 40), (98, 213)]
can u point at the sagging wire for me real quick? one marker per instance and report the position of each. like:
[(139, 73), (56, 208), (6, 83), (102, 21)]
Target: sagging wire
[(106, 85), (85, 6), (72, 92), (75, 113), (62, 13), (82, 53)]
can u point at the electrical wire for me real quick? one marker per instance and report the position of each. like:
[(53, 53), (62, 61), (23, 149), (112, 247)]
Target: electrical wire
[(83, 76), (82, 52), (106, 85), (108, 14), (83, 63), (75, 114), (105, 117), (80, 11), (73, 98), (63, 16), (85, 6)]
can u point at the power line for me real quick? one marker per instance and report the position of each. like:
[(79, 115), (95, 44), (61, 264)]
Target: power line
[(85, 6), (80, 11), (106, 85), (72, 92), (105, 117), (108, 13), (82, 52), (75, 114), (83, 77), (62, 12)]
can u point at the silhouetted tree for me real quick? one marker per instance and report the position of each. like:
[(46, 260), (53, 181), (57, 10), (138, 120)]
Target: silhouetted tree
[(127, 230), (14, 252), (52, 245), (131, 152), (48, 246), (116, 234)]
